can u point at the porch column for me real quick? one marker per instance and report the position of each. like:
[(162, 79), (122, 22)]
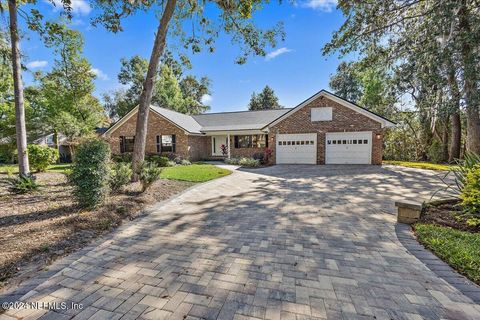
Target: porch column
[(228, 145)]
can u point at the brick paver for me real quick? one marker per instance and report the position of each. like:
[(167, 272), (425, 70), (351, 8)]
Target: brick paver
[(285, 242)]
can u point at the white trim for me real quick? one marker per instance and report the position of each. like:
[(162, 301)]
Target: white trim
[(234, 132), (384, 123)]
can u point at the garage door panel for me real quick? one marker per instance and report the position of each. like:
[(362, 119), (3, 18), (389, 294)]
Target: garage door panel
[(348, 148), (296, 148)]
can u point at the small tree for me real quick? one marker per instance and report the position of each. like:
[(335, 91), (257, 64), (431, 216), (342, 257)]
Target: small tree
[(90, 173), (41, 157)]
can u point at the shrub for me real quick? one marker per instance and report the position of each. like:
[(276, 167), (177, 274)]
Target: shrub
[(161, 161), (90, 173), (435, 152), (461, 169), (259, 156), (21, 184), (232, 161), (149, 173), (249, 162), (470, 194), (40, 157), (120, 175), (185, 162), (124, 157), (170, 163), (7, 153), (267, 153)]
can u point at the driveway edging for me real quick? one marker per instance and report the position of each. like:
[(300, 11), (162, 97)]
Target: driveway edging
[(435, 264)]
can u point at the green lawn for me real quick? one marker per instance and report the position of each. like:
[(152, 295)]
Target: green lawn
[(194, 172), (459, 249), (4, 168), (419, 165)]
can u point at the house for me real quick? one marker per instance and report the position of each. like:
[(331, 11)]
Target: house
[(324, 129), (63, 145)]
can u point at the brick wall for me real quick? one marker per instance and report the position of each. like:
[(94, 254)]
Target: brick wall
[(156, 126), (344, 120), (197, 147)]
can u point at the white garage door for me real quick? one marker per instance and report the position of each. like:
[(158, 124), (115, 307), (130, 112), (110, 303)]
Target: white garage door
[(348, 148), (297, 148)]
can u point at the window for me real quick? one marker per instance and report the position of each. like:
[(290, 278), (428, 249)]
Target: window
[(166, 143), (365, 141), (251, 141), (321, 114), (126, 144)]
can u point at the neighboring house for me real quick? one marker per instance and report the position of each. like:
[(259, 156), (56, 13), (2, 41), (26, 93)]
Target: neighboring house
[(63, 145), (324, 129)]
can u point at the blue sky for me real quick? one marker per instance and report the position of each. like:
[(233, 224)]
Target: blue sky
[(295, 69)]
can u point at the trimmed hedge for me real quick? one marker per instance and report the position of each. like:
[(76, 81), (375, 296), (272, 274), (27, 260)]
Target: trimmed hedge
[(90, 173)]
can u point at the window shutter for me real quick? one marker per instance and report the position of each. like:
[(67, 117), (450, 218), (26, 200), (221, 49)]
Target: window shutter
[(174, 138), (266, 141), (235, 139), (158, 144), (122, 144)]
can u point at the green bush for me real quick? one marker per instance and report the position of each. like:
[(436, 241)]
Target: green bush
[(90, 173), (21, 184), (7, 153), (124, 157), (40, 157), (470, 194), (170, 163), (249, 162), (185, 162), (244, 162), (120, 175), (435, 152), (159, 160), (149, 173)]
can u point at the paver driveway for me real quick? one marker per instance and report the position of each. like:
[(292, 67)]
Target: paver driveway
[(289, 242)]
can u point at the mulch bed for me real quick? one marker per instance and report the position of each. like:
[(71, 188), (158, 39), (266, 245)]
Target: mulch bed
[(37, 228), (448, 214)]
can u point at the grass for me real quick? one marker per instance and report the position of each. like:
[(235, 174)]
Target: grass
[(13, 168), (194, 172), (460, 249), (419, 165)]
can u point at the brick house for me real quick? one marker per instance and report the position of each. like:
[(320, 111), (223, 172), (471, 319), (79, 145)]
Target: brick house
[(324, 129)]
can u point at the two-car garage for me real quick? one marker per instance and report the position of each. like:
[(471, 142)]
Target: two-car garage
[(340, 148)]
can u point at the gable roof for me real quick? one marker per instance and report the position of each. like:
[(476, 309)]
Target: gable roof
[(382, 120), (182, 120), (238, 120), (244, 120)]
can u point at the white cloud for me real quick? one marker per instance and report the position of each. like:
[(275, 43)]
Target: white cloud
[(322, 5), (206, 99), (80, 7), (37, 64), (99, 73), (276, 53)]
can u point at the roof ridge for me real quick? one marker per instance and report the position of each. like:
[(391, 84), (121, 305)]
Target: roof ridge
[(241, 111)]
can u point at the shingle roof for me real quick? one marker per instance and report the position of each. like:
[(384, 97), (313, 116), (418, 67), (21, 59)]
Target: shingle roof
[(223, 121), (184, 121), (240, 120)]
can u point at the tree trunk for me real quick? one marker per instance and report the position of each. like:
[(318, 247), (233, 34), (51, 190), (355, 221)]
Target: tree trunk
[(21, 130), (470, 80), (147, 91), (456, 137), (445, 140)]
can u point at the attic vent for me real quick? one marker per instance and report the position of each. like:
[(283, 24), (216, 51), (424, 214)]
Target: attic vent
[(321, 114)]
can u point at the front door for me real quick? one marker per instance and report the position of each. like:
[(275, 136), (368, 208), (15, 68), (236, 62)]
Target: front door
[(217, 142)]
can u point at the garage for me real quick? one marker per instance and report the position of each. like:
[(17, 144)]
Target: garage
[(348, 148), (300, 148)]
